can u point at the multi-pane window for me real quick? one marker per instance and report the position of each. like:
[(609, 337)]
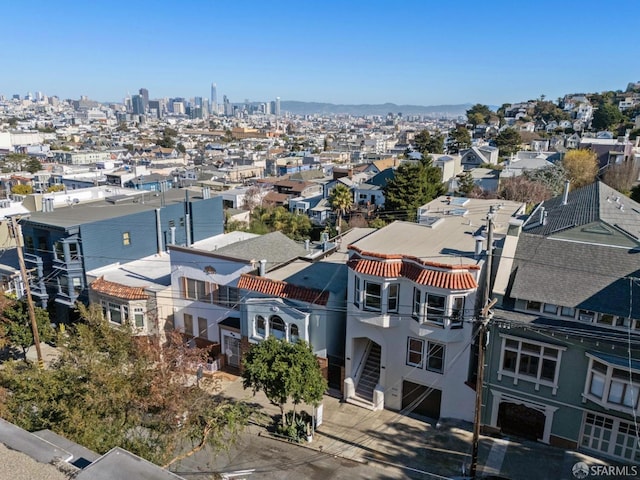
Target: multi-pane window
[(429, 355), (115, 313), (372, 296), (138, 316), (612, 436), (277, 327), (531, 361), (533, 305), (202, 291), (435, 357), (126, 238), (611, 386), (392, 297), (415, 352)]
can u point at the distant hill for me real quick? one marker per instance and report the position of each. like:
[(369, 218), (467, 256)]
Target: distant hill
[(309, 108)]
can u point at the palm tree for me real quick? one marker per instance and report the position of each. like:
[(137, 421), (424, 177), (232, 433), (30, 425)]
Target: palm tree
[(340, 200)]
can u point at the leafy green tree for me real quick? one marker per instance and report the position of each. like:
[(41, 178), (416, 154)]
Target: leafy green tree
[(284, 371), (460, 139), (606, 116), (549, 111), (581, 166), (508, 141), (33, 165), (413, 185), (426, 143), (341, 200), (109, 388), (180, 147), (479, 114), (16, 325)]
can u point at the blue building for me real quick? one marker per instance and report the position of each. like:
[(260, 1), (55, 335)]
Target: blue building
[(63, 244)]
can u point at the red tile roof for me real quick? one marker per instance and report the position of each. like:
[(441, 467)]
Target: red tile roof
[(449, 280), (282, 289), (398, 256), (118, 290)]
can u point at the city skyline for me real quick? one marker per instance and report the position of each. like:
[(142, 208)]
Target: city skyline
[(415, 53)]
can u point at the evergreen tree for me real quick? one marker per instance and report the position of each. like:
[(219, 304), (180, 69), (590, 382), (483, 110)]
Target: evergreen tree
[(413, 185)]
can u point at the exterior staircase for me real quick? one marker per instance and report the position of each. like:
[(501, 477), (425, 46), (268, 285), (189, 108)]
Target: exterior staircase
[(370, 374)]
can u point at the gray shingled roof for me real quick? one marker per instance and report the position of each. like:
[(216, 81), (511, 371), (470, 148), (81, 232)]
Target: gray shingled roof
[(275, 247), (594, 202), (574, 274)]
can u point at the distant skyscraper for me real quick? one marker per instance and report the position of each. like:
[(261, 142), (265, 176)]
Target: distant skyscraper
[(277, 112), (228, 108), (137, 104), (214, 99), (144, 93)]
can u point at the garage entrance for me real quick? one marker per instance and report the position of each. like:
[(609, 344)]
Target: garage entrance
[(520, 420), (428, 406)]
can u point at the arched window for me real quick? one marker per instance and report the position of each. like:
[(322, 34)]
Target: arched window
[(294, 334), (260, 326), (277, 327)]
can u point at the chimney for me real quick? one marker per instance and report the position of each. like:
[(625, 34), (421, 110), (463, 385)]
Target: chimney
[(478, 251), (542, 215), (307, 244), (172, 235), (263, 268), (565, 194)]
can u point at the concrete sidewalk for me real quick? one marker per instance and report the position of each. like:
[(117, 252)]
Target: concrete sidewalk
[(421, 450)]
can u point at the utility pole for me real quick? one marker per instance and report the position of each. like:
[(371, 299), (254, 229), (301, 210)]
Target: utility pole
[(485, 316), (17, 234)]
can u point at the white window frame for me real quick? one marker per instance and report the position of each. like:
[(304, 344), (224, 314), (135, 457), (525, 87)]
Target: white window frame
[(537, 379), (608, 379), (428, 355), (612, 436), (429, 310), (366, 295), (391, 297)]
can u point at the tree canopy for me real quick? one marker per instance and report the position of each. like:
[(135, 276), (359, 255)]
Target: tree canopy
[(426, 143), (459, 139), (479, 114), (15, 325), (267, 219), (284, 371), (109, 388), (508, 141), (606, 117), (581, 166), (413, 185)]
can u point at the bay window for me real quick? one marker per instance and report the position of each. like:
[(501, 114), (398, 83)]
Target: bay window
[(611, 387)]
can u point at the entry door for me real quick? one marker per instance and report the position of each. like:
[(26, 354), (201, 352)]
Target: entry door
[(232, 351)]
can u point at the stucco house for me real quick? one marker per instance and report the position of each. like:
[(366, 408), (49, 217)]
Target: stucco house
[(411, 298)]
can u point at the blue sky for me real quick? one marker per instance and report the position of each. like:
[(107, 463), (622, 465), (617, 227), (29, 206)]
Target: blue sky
[(406, 52)]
